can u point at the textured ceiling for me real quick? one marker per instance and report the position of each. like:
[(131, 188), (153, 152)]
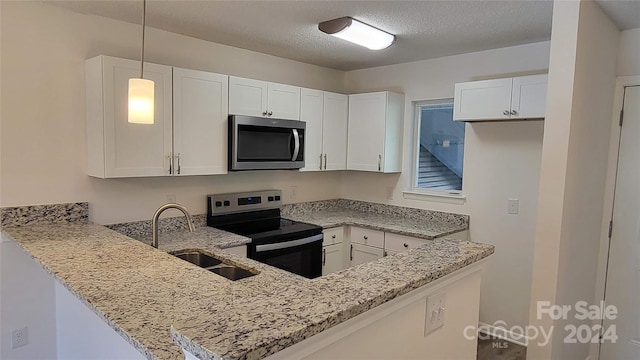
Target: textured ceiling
[(424, 29)]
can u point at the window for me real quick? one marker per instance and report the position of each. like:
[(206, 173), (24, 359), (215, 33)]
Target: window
[(439, 148)]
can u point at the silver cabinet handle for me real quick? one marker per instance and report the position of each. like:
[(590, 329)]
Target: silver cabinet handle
[(270, 113), (351, 253), (325, 161), (365, 237), (178, 164), (384, 254), (379, 162), (513, 112), (405, 245), (505, 113), (324, 256), (320, 161), (170, 162), (264, 113), (296, 148)]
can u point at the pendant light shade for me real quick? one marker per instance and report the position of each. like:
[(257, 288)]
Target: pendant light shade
[(141, 91), (357, 32), (141, 95)]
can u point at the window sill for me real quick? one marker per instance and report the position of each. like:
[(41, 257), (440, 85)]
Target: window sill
[(435, 196)]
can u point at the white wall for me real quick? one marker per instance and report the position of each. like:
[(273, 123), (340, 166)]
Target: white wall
[(629, 53), (28, 299), (582, 70), (43, 143), (501, 162)]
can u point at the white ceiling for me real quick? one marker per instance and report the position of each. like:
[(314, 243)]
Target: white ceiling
[(289, 29)]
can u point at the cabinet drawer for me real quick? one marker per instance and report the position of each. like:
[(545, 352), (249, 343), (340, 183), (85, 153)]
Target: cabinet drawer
[(367, 237), (398, 243), (333, 236)]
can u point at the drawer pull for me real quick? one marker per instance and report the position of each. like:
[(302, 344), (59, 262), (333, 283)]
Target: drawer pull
[(405, 245), (333, 236), (365, 237)]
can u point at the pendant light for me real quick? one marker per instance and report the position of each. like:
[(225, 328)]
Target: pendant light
[(141, 91)]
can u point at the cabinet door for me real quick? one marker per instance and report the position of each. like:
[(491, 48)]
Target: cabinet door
[(361, 254), (529, 97), (311, 112), (247, 97), (332, 258), (366, 131), (334, 130), (482, 100), (200, 112), (133, 150), (283, 101)]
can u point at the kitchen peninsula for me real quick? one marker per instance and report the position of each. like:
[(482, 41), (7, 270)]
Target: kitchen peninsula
[(159, 303)]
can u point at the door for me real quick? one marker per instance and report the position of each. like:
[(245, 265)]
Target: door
[(529, 97), (623, 273), (334, 130), (331, 258), (366, 131), (136, 149), (311, 113), (200, 111), (361, 254), (482, 100), (247, 97), (283, 101)]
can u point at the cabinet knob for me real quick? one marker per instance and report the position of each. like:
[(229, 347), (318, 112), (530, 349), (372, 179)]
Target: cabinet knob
[(333, 236), (405, 245), (264, 113), (513, 112), (506, 112), (365, 237), (270, 113)]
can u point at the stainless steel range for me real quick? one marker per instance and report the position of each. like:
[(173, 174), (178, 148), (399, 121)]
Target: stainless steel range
[(286, 244)]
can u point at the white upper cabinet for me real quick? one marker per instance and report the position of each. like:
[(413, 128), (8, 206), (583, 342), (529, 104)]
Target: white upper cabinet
[(251, 97), (326, 133), (521, 97), (189, 133), (117, 148), (375, 132), (334, 131), (200, 113)]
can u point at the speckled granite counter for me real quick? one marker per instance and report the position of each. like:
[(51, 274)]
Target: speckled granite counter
[(424, 224), (142, 292)]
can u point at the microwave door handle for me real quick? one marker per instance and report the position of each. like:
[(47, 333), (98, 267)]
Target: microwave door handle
[(296, 146)]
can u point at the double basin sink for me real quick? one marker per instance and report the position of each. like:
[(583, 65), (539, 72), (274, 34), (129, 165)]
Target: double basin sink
[(217, 266)]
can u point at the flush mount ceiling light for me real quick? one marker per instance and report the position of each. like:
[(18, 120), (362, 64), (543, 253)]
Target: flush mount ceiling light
[(141, 91), (357, 32)]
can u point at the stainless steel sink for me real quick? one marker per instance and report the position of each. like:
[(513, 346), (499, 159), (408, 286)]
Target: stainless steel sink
[(214, 265), (232, 272)]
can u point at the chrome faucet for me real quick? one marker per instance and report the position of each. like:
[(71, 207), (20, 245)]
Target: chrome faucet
[(156, 216)]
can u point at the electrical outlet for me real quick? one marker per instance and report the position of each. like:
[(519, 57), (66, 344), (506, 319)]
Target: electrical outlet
[(171, 198), (435, 313), (19, 337), (513, 206)]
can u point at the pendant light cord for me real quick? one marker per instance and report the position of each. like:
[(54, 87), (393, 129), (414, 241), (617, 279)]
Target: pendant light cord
[(144, 16)]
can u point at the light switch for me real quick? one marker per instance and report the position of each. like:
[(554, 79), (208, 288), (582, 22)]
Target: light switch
[(513, 206), (435, 313)]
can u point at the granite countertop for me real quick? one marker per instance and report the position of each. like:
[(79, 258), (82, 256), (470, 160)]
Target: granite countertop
[(425, 229), (156, 301)]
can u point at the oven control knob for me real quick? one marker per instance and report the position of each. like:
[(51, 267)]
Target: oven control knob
[(227, 203), (218, 203)]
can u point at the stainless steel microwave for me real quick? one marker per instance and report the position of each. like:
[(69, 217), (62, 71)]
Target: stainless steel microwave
[(257, 143)]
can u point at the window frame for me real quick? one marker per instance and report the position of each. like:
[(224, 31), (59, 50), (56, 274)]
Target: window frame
[(414, 192)]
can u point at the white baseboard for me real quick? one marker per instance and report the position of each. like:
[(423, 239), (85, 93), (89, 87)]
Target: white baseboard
[(504, 334)]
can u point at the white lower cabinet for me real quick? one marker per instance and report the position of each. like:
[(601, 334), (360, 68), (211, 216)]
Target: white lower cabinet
[(361, 254), (333, 250)]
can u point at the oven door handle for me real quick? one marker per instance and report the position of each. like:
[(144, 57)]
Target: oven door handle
[(296, 144), (288, 244)]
